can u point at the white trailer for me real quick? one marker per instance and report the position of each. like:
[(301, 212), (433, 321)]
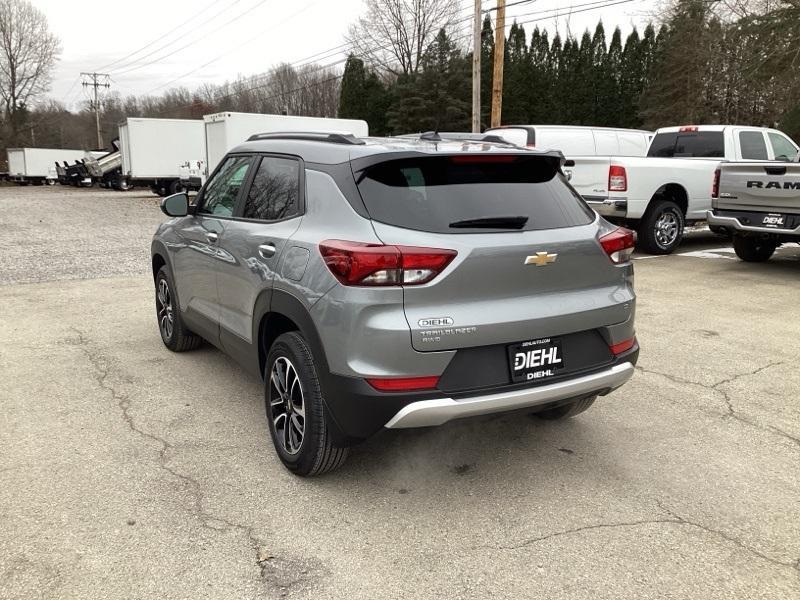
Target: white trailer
[(38, 165), (153, 150), (226, 130)]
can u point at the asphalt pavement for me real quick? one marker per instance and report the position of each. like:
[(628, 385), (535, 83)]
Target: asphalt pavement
[(127, 471)]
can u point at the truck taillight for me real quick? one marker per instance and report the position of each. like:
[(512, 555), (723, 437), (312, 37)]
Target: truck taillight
[(715, 185), (359, 263), (688, 129), (617, 179), (619, 244)]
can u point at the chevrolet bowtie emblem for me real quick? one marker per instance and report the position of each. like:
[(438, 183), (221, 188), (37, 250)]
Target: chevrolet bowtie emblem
[(540, 259)]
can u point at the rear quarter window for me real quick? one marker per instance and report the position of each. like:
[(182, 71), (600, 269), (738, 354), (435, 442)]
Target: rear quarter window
[(433, 193)]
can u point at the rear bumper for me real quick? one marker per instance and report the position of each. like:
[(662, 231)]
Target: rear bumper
[(359, 411), (426, 413), (734, 222), (608, 207)]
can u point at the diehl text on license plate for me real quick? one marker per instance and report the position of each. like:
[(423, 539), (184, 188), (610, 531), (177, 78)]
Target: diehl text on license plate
[(535, 360)]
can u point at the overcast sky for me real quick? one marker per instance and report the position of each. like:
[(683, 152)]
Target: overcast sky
[(190, 42)]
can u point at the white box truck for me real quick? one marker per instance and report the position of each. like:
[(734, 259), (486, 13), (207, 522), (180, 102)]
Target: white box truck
[(38, 165), (226, 130), (154, 149)]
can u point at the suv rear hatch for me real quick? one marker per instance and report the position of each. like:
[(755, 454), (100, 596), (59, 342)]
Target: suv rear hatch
[(529, 264)]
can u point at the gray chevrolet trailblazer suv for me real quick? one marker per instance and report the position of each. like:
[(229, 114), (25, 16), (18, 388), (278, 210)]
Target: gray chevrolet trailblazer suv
[(396, 283)]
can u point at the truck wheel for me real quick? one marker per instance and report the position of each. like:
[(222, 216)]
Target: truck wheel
[(753, 249), (661, 229), (565, 411), (176, 186), (296, 409)]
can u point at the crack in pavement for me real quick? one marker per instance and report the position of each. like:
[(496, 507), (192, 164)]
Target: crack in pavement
[(730, 412), (672, 519), (207, 520)]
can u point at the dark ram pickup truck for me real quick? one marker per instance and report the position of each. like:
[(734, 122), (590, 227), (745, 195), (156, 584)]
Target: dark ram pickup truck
[(759, 203)]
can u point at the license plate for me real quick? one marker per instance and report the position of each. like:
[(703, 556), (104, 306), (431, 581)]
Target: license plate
[(774, 220), (535, 360)]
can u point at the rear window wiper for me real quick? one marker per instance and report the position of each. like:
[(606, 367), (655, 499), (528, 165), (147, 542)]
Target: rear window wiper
[(491, 223)]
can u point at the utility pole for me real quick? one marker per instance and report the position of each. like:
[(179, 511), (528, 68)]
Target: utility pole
[(476, 69), (96, 81), (499, 56)]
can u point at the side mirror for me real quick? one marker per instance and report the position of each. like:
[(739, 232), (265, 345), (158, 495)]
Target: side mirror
[(176, 205)]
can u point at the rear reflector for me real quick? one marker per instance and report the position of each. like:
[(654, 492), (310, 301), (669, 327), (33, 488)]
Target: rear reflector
[(358, 263), (404, 384), (617, 179), (715, 185), (622, 346), (619, 244)]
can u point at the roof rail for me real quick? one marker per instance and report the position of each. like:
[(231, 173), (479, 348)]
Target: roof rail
[(435, 136), (311, 136)]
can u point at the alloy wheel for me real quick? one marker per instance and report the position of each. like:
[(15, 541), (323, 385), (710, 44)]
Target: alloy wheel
[(666, 229), (287, 406), (164, 308)]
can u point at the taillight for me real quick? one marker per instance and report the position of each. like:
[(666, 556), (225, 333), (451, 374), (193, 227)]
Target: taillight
[(358, 263), (688, 129), (403, 384), (619, 244), (715, 185), (617, 179), (622, 346)]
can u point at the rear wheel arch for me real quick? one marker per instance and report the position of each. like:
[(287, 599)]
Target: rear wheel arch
[(674, 192)]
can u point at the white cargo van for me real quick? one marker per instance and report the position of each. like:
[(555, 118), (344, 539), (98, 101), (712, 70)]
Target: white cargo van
[(575, 140)]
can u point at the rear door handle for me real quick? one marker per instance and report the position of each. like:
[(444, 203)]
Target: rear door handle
[(212, 237), (266, 250)]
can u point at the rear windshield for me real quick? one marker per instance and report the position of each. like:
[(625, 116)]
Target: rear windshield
[(685, 144), (468, 194)]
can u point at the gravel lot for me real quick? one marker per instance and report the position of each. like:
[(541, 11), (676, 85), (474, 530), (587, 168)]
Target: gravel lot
[(131, 472)]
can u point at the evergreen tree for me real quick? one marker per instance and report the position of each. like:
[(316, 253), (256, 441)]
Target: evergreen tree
[(541, 79), (487, 60), (601, 88), (631, 80), (516, 77), (352, 97)]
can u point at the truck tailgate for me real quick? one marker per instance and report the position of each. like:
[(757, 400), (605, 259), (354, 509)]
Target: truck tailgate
[(759, 187)]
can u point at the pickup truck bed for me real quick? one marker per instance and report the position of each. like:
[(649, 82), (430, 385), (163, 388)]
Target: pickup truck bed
[(760, 204)]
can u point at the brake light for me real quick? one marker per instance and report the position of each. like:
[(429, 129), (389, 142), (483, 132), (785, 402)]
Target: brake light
[(483, 158), (619, 244), (358, 263), (617, 179), (688, 129), (622, 346), (715, 185), (403, 384)]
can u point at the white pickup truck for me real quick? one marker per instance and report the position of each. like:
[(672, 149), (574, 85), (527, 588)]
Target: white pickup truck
[(659, 194)]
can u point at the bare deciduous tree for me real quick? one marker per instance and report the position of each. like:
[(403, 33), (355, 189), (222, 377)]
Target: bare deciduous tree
[(394, 34), (28, 53)]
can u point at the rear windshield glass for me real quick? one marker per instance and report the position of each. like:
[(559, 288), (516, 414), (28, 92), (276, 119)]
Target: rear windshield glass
[(688, 144), (468, 194)]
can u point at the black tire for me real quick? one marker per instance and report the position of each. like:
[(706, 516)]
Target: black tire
[(753, 249), (661, 228), (176, 186), (566, 411), (176, 336), (312, 452)]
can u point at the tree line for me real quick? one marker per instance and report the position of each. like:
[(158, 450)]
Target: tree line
[(702, 65)]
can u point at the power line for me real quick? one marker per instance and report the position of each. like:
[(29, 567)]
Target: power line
[(167, 33), (134, 67)]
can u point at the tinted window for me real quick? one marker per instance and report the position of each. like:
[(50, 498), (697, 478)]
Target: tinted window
[(275, 190), (782, 147), (432, 194), (688, 144), (219, 196), (753, 145)]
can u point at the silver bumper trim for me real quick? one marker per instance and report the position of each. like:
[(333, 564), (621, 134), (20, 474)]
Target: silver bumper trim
[(734, 223), (426, 413), (608, 207)]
